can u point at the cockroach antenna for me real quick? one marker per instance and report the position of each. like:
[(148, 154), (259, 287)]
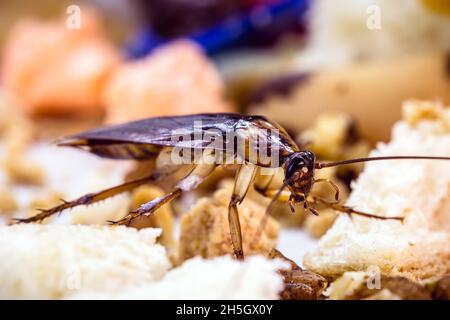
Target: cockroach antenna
[(320, 165)]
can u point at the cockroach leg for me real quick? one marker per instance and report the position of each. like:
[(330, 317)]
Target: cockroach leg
[(89, 198), (348, 210), (284, 196), (310, 208), (235, 229), (291, 206), (190, 182), (333, 185), (244, 179), (262, 186), (148, 208)]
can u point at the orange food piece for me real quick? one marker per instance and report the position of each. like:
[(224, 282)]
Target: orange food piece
[(56, 70), (174, 79)]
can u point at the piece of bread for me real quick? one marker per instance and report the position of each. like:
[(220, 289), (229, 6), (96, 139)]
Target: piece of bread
[(419, 190), (54, 70), (375, 29), (361, 285), (177, 78), (218, 278), (55, 261), (205, 230)]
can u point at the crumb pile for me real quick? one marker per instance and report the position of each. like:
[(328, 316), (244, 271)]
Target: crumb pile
[(419, 190)]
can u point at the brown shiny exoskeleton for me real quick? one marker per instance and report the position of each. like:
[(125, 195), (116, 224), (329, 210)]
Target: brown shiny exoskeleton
[(218, 139)]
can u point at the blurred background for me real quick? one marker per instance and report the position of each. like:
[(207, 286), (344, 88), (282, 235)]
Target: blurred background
[(288, 59)]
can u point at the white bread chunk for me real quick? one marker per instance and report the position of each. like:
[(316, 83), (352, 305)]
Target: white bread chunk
[(340, 34), (218, 278), (55, 261), (416, 189)]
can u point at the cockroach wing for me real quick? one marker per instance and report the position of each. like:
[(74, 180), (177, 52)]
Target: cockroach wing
[(223, 132)]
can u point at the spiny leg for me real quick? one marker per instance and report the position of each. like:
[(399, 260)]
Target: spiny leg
[(333, 185), (313, 200), (190, 182), (262, 186), (244, 179), (148, 208), (90, 198), (282, 195)]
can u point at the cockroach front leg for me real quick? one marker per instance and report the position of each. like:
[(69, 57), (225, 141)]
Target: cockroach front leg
[(190, 182), (244, 179), (333, 185), (313, 201), (283, 196), (90, 198)]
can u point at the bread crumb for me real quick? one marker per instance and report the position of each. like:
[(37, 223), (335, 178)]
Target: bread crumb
[(328, 134), (318, 225), (415, 111), (8, 203), (415, 189), (17, 133), (367, 286), (204, 230), (19, 171), (56, 261), (218, 278)]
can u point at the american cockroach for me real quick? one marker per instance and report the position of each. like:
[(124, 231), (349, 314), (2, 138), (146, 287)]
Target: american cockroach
[(203, 142)]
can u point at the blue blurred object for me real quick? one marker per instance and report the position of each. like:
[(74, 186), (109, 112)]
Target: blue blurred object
[(258, 25)]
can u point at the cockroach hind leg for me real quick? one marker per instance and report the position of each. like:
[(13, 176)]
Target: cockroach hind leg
[(235, 229), (350, 211), (64, 201), (244, 178), (42, 215), (88, 199), (130, 217), (148, 208)]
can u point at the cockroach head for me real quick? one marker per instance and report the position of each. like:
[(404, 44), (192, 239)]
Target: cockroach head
[(299, 166)]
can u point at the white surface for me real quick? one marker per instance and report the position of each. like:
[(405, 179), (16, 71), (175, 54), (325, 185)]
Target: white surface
[(294, 243)]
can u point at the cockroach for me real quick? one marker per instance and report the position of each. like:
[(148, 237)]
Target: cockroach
[(218, 139)]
